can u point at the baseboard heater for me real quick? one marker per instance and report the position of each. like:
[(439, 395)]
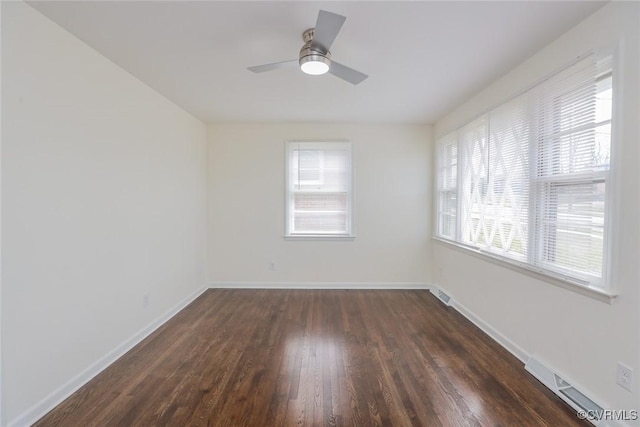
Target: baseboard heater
[(567, 392), (446, 299)]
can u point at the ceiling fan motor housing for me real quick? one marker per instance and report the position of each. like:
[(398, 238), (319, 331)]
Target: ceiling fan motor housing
[(312, 54)]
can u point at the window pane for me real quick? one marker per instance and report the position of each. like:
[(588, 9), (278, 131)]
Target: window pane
[(319, 188), (602, 147), (323, 202), (507, 200), (573, 221), (575, 123), (447, 175), (448, 207), (450, 170), (474, 149), (320, 222), (309, 167), (496, 180), (604, 99), (573, 153)]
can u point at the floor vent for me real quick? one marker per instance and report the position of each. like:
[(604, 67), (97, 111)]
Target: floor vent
[(567, 392), (446, 299)]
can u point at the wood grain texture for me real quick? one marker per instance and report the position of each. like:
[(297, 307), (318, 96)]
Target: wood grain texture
[(315, 358)]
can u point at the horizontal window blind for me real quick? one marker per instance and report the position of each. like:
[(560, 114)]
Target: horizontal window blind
[(571, 224), (495, 183), (319, 188), (474, 151), (508, 193), (573, 111), (446, 177), (527, 181)]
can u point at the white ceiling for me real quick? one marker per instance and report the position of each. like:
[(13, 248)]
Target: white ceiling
[(423, 58)]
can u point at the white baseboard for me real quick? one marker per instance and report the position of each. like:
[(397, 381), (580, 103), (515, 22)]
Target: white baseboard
[(505, 342), (38, 410), (319, 285)]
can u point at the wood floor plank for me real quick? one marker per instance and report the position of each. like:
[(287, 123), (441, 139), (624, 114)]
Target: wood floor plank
[(315, 358)]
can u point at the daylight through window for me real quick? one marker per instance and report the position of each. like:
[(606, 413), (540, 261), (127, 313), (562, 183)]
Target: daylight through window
[(527, 181), (319, 187)]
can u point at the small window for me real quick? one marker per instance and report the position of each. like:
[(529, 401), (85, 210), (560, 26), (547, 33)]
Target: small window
[(447, 191), (319, 189)]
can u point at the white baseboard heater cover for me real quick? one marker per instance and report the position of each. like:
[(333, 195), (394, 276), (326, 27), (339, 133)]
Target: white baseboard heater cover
[(567, 392), (446, 299)]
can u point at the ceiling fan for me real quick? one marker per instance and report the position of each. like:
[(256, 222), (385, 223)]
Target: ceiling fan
[(315, 57)]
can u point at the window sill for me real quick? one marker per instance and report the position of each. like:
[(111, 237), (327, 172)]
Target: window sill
[(320, 237), (546, 276)]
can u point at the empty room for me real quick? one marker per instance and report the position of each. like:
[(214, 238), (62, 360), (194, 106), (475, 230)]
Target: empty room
[(358, 213)]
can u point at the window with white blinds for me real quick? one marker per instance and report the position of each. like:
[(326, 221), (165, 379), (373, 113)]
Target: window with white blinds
[(531, 175), (447, 186), (495, 180), (319, 189), (573, 111)]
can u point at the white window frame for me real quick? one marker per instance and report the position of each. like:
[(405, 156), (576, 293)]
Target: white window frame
[(446, 174), (289, 213), (538, 185), (598, 288)]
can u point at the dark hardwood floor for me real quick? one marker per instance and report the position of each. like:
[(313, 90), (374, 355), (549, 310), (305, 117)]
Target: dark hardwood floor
[(307, 357)]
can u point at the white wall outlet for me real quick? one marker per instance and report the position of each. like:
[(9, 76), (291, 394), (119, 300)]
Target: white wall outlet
[(624, 376), (272, 266), (145, 300)]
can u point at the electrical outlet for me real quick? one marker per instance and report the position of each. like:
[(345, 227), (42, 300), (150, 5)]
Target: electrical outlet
[(145, 300), (624, 376)]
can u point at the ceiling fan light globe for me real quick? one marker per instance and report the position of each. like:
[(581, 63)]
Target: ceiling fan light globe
[(314, 64), (315, 68)]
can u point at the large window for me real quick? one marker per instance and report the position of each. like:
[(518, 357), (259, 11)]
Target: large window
[(319, 189), (527, 181)]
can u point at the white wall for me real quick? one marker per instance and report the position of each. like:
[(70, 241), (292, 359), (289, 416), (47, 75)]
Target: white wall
[(247, 207), (581, 337), (104, 200)]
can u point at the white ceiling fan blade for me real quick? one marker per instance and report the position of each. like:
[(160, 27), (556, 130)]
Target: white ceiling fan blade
[(274, 66), (327, 28), (345, 73)]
